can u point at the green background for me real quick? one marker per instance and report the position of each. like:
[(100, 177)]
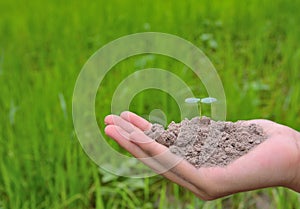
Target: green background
[(254, 46)]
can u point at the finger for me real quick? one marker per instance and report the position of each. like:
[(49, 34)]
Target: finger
[(155, 150), (118, 121), (121, 137), (163, 154), (171, 162), (162, 161), (121, 132), (146, 143), (136, 120)]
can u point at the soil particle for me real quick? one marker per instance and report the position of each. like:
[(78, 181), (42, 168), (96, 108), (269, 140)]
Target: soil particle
[(207, 143)]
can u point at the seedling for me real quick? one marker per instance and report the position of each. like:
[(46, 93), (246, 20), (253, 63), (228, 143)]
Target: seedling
[(207, 100)]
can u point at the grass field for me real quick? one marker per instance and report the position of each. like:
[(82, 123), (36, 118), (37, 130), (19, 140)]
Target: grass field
[(254, 45)]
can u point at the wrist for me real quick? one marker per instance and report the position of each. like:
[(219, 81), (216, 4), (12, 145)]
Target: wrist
[(295, 183)]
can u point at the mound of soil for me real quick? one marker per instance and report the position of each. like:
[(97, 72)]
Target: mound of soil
[(207, 143)]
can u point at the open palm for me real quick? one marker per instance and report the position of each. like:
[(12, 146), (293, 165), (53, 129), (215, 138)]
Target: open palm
[(275, 162)]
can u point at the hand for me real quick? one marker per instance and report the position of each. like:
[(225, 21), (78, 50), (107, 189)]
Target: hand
[(275, 162)]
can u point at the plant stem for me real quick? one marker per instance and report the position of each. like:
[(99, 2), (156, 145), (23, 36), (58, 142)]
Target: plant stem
[(199, 104)]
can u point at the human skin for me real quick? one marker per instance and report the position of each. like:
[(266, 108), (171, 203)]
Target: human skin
[(275, 162)]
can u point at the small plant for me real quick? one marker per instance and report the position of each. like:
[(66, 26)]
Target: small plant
[(207, 100)]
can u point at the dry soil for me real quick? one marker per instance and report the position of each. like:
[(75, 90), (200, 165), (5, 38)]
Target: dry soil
[(207, 143)]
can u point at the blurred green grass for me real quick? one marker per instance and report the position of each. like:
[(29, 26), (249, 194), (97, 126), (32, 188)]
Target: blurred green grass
[(254, 45)]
